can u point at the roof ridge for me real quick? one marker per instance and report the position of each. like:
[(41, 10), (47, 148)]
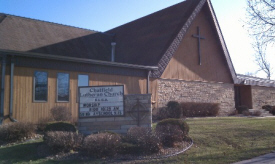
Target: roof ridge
[(53, 23), (2, 17)]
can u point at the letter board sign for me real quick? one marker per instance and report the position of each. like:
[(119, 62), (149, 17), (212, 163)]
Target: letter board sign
[(101, 101)]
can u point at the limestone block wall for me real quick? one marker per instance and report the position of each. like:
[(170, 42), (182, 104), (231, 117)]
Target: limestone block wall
[(184, 91), (262, 96), (120, 124)]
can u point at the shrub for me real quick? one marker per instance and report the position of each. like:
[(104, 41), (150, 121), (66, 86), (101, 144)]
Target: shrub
[(161, 113), (42, 123), (144, 139), (60, 126), (242, 109), (171, 131), (254, 113), (174, 109), (246, 113), (60, 141), (178, 122), (272, 110), (257, 113), (233, 113), (191, 109), (267, 107), (129, 148), (169, 134), (171, 110), (16, 131), (102, 144), (61, 113)]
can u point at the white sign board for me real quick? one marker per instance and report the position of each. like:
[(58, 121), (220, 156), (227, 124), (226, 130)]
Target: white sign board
[(101, 101)]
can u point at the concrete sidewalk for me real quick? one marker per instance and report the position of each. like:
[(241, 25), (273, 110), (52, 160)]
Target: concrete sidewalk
[(267, 159)]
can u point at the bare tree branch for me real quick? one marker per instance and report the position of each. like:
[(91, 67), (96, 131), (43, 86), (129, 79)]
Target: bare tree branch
[(261, 19), (261, 26), (269, 4), (261, 60)]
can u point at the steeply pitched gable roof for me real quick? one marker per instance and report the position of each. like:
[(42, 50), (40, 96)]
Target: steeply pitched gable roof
[(148, 41), (153, 40), (145, 40)]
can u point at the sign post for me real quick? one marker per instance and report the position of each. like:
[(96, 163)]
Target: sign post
[(101, 101)]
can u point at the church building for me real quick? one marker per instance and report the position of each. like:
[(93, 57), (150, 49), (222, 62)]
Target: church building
[(177, 53)]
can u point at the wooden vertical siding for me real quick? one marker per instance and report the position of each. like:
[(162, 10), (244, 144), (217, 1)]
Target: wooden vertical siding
[(185, 62), (154, 92), (24, 109)]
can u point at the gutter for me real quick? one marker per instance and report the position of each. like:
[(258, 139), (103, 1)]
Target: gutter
[(113, 44), (254, 81), (11, 90), (3, 65), (73, 59)]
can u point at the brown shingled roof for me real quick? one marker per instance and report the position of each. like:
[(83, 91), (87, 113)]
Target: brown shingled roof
[(140, 42), (149, 41), (145, 40), (29, 35)]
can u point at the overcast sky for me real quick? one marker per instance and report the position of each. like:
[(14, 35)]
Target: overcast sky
[(101, 15)]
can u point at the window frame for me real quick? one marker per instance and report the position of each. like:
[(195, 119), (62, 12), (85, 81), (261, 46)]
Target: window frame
[(47, 93), (62, 101)]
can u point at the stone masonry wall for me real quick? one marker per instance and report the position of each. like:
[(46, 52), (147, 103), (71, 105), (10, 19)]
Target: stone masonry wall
[(183, 91), (262, 96), (119, 124)]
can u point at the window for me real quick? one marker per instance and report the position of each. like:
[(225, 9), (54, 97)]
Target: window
[(40, 86), (63, 87), (83, 80)]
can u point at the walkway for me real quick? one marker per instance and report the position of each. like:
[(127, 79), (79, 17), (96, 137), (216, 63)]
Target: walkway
[(266, 159)]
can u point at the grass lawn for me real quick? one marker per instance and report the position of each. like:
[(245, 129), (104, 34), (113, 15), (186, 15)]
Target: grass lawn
[(216, 140), (21, 153), (228, 140)]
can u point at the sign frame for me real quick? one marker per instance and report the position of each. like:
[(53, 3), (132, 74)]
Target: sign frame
[(99, 87)]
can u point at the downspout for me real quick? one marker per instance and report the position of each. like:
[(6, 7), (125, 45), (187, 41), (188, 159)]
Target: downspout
[(2, 88), (148, 82), (11, 90), (113, 44), (113, 50)]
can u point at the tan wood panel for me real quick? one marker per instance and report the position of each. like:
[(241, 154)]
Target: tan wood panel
[(27, 110), (154, 92), (185, 62), (6, 93)]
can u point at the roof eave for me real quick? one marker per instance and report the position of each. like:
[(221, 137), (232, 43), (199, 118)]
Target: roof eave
[(74, 59), (254, 81)]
